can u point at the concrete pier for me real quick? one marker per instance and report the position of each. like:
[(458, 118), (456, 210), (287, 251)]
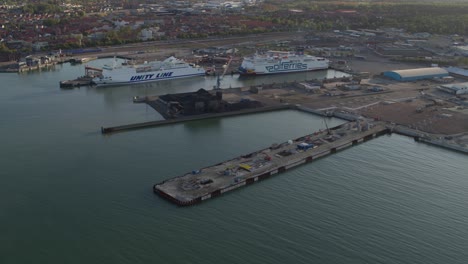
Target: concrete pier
[(428, 139), (202, 184)]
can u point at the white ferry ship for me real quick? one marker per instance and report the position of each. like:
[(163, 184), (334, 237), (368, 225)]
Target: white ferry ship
[(168, 69), (274, 62)]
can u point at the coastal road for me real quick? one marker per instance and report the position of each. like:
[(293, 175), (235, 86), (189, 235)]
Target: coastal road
[(190, 44)]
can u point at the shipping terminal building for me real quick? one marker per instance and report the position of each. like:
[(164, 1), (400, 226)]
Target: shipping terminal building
[(417, 74)]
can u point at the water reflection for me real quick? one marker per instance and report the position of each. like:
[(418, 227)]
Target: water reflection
[(213, 124)]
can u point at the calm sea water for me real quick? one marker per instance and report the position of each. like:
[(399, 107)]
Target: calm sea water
[(71, 195)]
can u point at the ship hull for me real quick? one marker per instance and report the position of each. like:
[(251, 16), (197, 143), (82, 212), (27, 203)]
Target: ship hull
[(244, 72), (278, 62), (169, 69), (123, 77)]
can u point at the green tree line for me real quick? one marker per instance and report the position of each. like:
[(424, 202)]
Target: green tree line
[(42, 8), (432, 17)]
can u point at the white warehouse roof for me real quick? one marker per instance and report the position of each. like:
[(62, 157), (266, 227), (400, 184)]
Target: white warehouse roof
[(421, 72), (456, 88)]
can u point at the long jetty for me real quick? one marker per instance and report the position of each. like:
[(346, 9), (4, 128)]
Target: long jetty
[(209, 182)]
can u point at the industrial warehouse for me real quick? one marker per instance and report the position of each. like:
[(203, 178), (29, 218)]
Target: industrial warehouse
[(417, 74), (455, 88)]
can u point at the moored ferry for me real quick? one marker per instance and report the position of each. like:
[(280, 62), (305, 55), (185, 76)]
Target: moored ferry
[(168, 69), (274, 62)]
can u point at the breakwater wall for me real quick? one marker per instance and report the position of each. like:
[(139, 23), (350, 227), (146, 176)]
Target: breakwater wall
[(344, 116), (425, 138), (402, 130)]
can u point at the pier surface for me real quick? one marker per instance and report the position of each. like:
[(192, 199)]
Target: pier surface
[(199, 185)]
